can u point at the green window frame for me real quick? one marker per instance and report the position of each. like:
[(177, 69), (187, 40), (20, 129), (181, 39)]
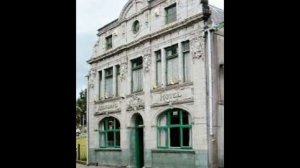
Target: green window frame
[(137, 75), (109, 133), (100, 83), (183, 126), (108, 82), (186, 61), (171, 13), (172, 73), (108, 40), (158, 68), (118, 81)]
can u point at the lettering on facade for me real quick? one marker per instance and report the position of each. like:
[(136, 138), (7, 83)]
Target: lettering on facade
[(170, 96), (107, 107)]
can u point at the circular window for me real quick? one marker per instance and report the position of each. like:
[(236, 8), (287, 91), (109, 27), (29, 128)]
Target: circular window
[(135, 26)]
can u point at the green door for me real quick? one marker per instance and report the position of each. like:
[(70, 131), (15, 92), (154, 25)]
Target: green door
[(139, 142)]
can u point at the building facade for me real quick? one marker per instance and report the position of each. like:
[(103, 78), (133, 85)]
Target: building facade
[(155, 87)]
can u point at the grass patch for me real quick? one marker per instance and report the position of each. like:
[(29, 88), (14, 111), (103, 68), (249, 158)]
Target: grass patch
[(82, 141)]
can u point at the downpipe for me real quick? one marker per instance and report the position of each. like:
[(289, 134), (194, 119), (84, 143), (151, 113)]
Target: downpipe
[(212, 140), (210, 97)]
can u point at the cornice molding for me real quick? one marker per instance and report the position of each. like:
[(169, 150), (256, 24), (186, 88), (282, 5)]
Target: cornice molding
[(162, 32), (184, 101)]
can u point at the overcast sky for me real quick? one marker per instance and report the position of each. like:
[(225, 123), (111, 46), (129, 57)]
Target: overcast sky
[(90, 16)]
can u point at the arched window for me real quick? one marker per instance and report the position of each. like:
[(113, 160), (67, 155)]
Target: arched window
[(174, 129), (109, 133)]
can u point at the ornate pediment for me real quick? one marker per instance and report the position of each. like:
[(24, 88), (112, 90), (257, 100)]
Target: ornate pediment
[(131, 8)]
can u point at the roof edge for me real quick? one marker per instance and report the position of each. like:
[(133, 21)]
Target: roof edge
[(108, 24)]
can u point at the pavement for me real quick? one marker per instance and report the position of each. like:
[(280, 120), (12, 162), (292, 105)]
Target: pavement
[(85, 166)]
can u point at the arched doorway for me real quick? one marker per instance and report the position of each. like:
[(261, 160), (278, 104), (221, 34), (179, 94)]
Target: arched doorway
[(138, 141)]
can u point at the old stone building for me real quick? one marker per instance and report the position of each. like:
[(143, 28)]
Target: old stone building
[(155, 87)]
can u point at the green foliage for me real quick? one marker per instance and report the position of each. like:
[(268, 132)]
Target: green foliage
[(80, 106)]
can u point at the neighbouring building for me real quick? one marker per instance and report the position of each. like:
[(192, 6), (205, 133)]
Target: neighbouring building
[(155, 87)]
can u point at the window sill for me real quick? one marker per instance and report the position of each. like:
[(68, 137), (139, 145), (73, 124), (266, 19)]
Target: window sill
[(109, 149), (168, 150), (108, 100), (136, 93), (167, 23), (169, 87)]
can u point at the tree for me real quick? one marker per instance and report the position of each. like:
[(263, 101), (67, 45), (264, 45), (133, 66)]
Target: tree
[(81, 107)]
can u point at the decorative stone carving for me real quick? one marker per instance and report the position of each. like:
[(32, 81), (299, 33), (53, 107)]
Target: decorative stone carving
[(147, 62), (92, 76), (115, 32), (123, 70), (123, 30), (95, 49), (146, 18), (93, 73), (135, 103), (91, 85), (156, 12), (197, 46)]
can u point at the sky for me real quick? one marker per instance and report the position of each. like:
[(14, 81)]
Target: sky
[(90, 16)]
